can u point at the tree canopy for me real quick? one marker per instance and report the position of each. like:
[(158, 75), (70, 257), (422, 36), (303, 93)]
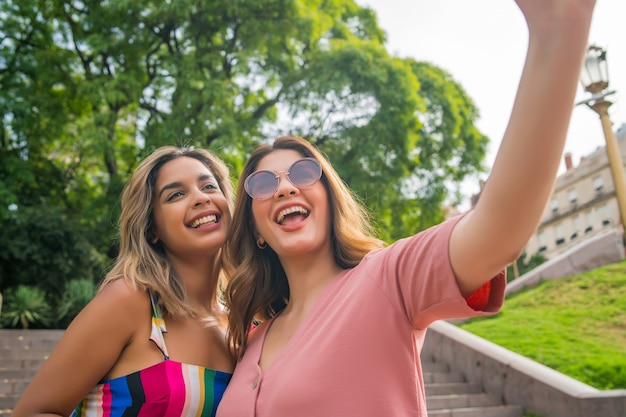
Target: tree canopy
[(87, 88)]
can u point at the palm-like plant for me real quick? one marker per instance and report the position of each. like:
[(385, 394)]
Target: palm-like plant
[(78, 292), (25, 305)]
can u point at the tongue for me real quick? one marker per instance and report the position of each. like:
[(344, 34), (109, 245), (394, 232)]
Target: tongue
[(293, 218)]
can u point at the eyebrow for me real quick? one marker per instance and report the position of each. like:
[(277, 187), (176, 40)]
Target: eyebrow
[(178, 184)]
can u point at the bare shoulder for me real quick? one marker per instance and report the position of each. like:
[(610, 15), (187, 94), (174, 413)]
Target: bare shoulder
[(124, 296), (90, 348), (117, 311)]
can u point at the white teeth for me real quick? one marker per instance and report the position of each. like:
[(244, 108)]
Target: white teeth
[(204, 220), (285, 212)]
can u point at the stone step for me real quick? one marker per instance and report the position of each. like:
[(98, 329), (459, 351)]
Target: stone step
[(17, 374), (21, 363), (494, 411), (439, 377), (25, 353), (435, 367), (449, 395), (449, 388), (13, 386), (481, 399), (11, 338), (7, 401), (22, 352)]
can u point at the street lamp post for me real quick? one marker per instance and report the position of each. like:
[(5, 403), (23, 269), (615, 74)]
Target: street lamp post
[(595, 80)]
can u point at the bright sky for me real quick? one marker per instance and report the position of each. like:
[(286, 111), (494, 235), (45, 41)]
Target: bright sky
[(482, 44)]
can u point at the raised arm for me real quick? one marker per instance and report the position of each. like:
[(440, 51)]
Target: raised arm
[(521, 181)]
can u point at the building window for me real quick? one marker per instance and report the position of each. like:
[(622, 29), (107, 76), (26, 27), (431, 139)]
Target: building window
[(572, 195), (589, 221), (598, 183), (541, 238), (554, 205), (603, 215), (560, 237), (575, 227)]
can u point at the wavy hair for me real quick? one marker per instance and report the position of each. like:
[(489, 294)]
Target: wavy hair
[(145, 265), (257, 289)]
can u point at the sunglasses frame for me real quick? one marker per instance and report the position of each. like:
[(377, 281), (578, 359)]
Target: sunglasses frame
[(276, 176)]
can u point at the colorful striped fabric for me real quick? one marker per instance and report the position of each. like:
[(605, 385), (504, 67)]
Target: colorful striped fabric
[(167, 389)]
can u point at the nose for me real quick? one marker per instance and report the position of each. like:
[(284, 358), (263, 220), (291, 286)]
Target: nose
[(285, 187), (200, 198)]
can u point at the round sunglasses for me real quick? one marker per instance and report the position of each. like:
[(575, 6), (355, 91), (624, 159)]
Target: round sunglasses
[(261, 185)]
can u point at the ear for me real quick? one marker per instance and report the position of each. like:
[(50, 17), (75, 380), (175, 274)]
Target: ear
[(153, 239)]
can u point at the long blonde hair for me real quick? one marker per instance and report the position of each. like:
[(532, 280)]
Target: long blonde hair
[(145, 265), (258, 288)]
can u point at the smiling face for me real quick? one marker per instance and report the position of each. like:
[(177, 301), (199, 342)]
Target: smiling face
[(190, 213), (294, 220)]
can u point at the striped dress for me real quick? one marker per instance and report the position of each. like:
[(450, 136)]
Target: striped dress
[(167, 389)]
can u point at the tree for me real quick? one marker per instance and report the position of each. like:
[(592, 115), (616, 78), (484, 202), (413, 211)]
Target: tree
[(87, 88), (42, 247)]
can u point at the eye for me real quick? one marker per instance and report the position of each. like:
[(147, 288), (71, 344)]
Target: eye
[(174, 195), (210, 186)]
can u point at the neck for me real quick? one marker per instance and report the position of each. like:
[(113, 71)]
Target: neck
[(200, 280), (307, 279)]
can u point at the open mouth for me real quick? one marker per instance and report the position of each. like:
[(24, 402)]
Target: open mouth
[(202, 221), (292, 214)]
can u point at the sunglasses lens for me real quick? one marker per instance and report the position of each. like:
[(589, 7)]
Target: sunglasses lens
[(261, 184), (305, 172)]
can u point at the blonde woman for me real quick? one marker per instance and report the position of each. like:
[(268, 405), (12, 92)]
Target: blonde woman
[(151, 342)]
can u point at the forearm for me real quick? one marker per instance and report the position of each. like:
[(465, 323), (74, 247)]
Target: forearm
[(521, 181), (526, 166), (523, 175)]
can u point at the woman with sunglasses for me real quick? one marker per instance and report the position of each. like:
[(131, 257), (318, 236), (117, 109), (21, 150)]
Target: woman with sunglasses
[(152, 341), (342, 317)]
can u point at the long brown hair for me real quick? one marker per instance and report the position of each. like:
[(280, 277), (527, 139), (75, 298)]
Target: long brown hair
[(141, 263), (258, 287)]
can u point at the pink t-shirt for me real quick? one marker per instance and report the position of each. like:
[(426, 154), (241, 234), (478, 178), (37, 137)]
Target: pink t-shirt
[(357, 352)]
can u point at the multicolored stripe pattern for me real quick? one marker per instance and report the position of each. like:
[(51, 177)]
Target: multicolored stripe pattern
[(168, 388)]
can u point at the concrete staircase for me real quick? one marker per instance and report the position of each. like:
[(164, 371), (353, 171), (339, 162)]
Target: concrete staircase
[(22, 352), (448, 393)]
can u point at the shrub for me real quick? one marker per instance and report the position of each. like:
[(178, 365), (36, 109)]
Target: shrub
[(25, 305), (78, 292)]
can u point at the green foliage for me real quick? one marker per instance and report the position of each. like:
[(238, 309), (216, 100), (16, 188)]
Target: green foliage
[(576, 325), (89, 88), (94, 86), (24, 306), (525, 265), (76, 295), (44, 247)]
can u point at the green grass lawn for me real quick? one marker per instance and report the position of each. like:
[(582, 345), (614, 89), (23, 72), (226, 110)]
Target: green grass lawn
[(576, 325)]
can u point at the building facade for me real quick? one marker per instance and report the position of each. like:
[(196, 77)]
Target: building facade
[(583, 203)]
